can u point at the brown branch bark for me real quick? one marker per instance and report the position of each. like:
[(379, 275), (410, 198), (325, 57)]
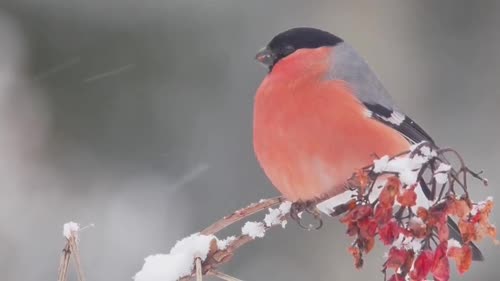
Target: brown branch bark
[(218, 257), (241, 214)]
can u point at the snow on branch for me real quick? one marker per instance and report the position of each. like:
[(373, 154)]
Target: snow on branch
[(71, 232), (405, 201)]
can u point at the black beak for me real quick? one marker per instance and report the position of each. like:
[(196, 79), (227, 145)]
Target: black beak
[(265, 56)]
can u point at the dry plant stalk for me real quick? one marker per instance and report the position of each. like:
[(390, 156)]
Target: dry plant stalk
[(71, 249), (64, 263), (199, 274)]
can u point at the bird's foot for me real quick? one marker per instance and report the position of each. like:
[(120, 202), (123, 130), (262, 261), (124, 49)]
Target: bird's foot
[(309, 207)]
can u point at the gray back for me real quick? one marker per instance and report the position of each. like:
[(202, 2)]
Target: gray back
[(347, 65)]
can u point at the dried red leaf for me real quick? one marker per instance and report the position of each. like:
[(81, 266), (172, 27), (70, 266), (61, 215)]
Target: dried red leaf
[(462, 257), (417, 229), (357, 213), (441, 265), (422, 213), (491, 231), (408, 197), (443, 232), (422, 265), (397, 258), (363, 180), (368, 244), (468, 230), (486, 210), (389, 192), (437, 217), (367, 228), (343, 208), (409, 262), (352, 229), (477, 218), (397, 277), (389, 232), (459, 208), (358, 221), (382, 215), (358, 258), (483, 230)]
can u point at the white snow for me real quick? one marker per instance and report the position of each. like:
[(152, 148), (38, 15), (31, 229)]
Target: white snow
[(196, 245), (443, 168), (276, 216), (454, 243), (415, 244), (285, 207), (179, 262), (222, 244), (480, 205), (407, 168), (71, 229), (416, 221), (422, 200), (254, 229), (329, 205), (398, 243), (424, 150), (441, 173), (379, 165), (408, 243), (428, 152), (273, 217)]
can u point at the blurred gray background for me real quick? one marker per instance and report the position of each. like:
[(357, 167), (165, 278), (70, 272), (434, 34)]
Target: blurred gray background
[(137, 116)]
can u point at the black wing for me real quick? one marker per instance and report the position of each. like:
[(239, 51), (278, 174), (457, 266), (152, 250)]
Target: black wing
[(400, 122)]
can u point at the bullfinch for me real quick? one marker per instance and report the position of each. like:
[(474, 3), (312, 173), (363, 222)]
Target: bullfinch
[(321, 113)]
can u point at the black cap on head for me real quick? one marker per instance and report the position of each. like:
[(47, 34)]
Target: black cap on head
[(294, 39)]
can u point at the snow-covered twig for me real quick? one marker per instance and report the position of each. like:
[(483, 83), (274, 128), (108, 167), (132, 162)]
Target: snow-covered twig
[(241, 214), (393, 198)]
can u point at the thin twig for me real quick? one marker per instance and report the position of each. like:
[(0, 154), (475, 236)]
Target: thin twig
[(220, 257), (223, 276), (241, 214)]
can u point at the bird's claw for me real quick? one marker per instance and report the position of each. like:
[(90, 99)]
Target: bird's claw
[(308, 207)]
